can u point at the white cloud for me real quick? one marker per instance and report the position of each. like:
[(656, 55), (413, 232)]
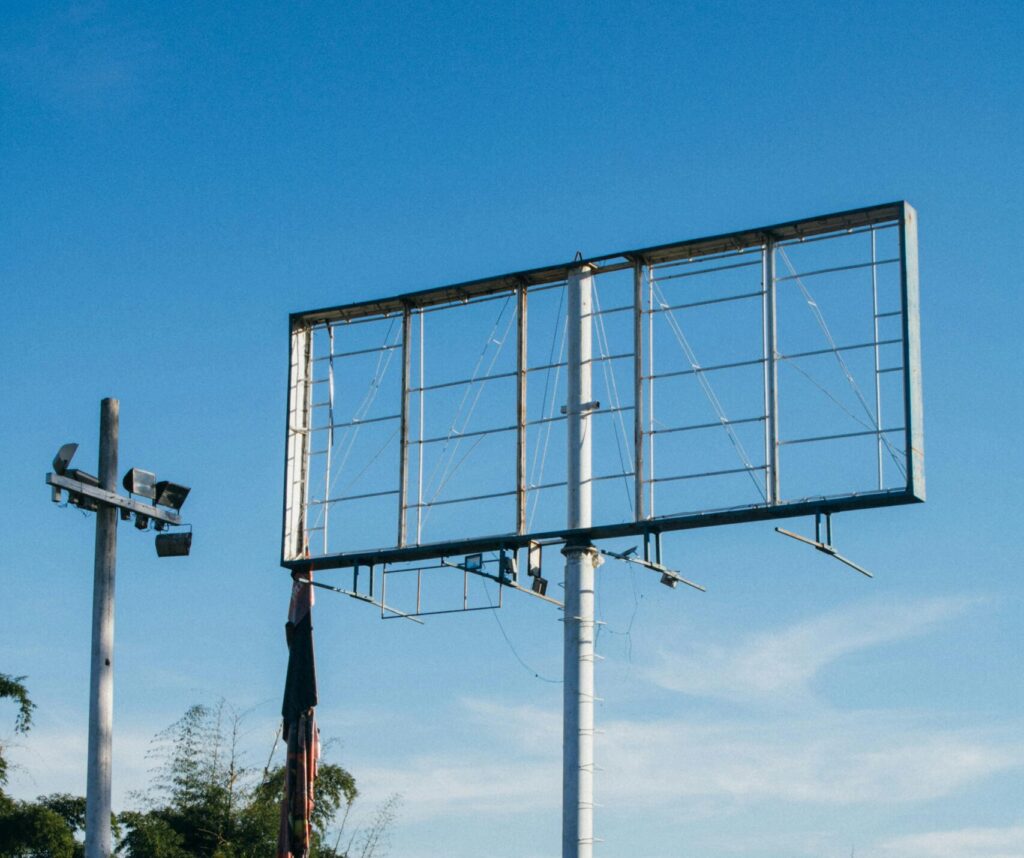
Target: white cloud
[(779, 665), (831, 759), (961, 843)]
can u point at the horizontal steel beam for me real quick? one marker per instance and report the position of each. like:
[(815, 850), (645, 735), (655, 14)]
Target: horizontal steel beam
[(687, 521), (537, 277), (112, 499)]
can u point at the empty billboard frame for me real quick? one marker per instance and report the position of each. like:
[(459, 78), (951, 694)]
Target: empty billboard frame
[(762, 374)]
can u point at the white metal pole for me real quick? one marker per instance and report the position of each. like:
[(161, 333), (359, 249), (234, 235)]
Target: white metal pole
[(101, 680), (578, 693)]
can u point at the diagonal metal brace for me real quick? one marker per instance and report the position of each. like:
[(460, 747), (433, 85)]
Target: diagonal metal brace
[(668, 576), (825, 548), (360, 597)]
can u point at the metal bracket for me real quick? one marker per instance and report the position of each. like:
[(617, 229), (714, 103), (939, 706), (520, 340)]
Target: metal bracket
[(669, 577), (74, 487), (505, 581), (825, 547), (361, 597), (584, 407)]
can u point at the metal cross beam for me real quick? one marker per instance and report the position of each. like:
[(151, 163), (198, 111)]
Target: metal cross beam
[(74, 487)]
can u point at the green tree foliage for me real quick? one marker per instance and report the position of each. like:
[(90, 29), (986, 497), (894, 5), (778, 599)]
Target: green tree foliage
[(44, 828), (13, 688), (205, 803)]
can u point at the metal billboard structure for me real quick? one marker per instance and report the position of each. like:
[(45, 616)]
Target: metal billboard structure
[(762, 374)]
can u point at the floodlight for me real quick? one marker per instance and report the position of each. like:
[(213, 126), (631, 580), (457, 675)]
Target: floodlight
[(126, 514), (473, 562), (140, 482), (141, 521), (540, 585), (170, 494), (533, 559), (174, 544), (63, 458), (508, 567), (669, 580)]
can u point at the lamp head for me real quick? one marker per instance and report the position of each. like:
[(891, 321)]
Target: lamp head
[(173, 544), (63, 458), (170, 495)]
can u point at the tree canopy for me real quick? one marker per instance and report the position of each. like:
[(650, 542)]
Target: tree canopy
[(202, 802)]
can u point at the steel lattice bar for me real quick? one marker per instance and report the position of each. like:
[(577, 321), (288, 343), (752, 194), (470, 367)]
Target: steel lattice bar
[(682, 274), (345, 498), (804, 274), (708, 302), (374, 350), (717, 424), (709, 474), (878, 432)]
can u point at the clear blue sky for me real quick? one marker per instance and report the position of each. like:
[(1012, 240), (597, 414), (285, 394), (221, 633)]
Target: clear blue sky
[(177, 178)]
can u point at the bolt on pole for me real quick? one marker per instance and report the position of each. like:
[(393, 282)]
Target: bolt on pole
[(101, 678), (578, 641)]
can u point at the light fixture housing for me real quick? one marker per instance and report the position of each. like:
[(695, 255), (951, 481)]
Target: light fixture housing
[(174, 544), (473, 562), (534, 554), (140, 482), (63, 458), (508, 567), (170, 495), (540, 585)]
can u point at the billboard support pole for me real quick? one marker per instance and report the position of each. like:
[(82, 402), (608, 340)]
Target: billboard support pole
[(578, 655)]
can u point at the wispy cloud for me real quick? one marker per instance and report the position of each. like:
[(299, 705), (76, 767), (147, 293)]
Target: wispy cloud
[(960, 843), (780, 665), (831, 759)]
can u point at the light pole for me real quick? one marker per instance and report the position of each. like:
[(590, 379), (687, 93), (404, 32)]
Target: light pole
[(100, 494)]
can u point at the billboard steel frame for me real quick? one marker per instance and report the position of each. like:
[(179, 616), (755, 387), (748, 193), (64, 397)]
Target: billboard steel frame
[(643, 262)]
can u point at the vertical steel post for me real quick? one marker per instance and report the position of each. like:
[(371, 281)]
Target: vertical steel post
[(913, 403), (771, 373), (419, 445), (521, 361), (101, 675), (879, 443), (650, 390), (578, 654), (638, 390), (403, 441), (330, 437)]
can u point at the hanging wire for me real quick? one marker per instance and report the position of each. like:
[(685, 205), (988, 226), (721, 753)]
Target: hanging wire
[(613, 391), (823, 325), (451, 466), (709, 392), (547, 412), (508, 640), (384, 357)]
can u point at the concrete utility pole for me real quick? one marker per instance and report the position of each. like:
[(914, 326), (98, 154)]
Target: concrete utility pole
[(578, 690), (101, 676), (99, 494)]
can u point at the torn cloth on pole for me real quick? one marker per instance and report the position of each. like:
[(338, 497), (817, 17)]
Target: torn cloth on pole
[(299, 724)]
